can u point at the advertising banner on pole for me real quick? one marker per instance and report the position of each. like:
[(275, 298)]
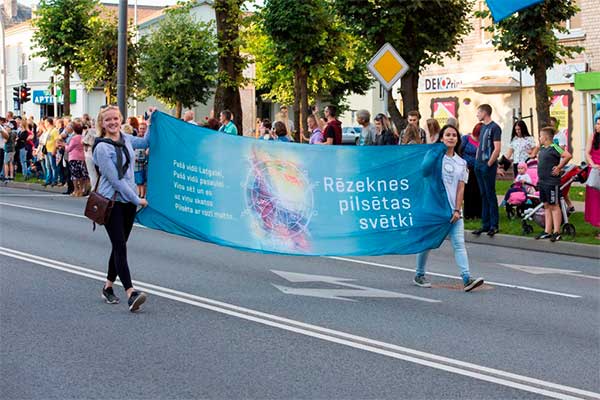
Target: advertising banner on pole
[(289, 198)]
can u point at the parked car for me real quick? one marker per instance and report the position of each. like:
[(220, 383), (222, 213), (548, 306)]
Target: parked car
[(351, 134)]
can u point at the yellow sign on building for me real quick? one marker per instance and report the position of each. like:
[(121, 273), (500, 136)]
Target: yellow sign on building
[(387, 66)]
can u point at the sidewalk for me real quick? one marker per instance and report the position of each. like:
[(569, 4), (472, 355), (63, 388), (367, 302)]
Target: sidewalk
[(501, 240)]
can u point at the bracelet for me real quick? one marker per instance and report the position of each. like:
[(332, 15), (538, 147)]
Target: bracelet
[(458, 211)]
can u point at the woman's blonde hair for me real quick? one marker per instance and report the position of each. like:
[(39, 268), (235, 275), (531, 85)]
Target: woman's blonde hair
[(100, 119)]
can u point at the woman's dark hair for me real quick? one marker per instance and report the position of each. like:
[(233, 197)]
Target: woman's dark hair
[(524, 130), (280, 129), (267, 123), (457, 148), (212, 123), (77, 128)]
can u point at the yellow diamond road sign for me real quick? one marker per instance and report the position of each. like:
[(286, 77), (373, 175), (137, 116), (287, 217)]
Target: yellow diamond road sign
[(387, 66)]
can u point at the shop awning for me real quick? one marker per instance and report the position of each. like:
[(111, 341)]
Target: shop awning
[(587, 81), (493, 84)]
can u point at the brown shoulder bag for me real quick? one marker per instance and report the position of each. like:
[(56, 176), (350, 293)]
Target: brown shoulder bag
[(98, 207)]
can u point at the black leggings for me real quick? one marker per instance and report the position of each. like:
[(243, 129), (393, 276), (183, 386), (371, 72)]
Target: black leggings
[(118, 228)]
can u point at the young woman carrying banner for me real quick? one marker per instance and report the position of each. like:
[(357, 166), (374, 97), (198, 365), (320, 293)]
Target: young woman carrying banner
[(455, 174), (114, 156)]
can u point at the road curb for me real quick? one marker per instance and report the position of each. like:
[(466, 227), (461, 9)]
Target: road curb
[(544, 246), (35, 186), (500, 240)]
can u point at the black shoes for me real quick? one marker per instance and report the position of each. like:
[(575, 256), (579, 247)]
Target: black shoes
[(492, 232), (472, 284), (555, 237), (478, 231), (109, 296), (543, 235), (136, 300)]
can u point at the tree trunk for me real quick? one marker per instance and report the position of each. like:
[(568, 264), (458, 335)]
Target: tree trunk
[(304, 111), (67, 90), (397, 119), (178, 108), (410, 97), (227, 94), (542, 104), (297, 100)]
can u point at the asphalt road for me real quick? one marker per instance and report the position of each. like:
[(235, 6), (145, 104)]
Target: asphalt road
[(221, 324)]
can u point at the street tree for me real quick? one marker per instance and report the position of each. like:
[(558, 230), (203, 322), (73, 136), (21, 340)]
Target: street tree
[(178, 60), (298, 32), (61, 28), (424, 32), (530, 42), (330, 80), (231, 64), (98, 67)]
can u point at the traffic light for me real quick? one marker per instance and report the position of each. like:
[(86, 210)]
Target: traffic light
[(25, 94), (17, 94)]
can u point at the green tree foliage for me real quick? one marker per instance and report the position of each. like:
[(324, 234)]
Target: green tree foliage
[(61, 28), (303, 38), (98, 67), (228, 14), (424, 32), (530, 41), (330, 81), (178, 60)]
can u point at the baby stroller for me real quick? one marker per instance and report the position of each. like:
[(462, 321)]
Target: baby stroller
[(521, 196), (573, 173)]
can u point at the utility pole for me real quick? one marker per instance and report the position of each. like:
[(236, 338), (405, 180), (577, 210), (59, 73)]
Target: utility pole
[(122, 59)]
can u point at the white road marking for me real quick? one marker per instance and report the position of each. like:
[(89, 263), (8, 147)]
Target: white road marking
[(454, 366), (338, 294), (548, 271), (412, 270), (508, 285)]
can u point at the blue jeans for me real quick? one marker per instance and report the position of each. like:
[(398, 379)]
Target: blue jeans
[(486, 179), (457, 238), (51, 169), (23, 160)]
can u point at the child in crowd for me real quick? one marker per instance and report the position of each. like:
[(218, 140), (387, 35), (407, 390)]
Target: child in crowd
[(551, 160), (454, 174), (520, 183), (140, 170)]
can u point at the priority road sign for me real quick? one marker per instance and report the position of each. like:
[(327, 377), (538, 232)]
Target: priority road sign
[(387, 66)]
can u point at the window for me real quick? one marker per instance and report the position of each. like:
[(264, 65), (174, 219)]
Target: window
[(574, 26)]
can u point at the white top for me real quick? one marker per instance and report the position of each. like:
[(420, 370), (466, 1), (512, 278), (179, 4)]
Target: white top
[(561, 137), (523, 178), (454, 170), (521, 147)]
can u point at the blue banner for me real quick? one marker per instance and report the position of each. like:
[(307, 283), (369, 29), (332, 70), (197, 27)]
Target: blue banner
[(289, 198), (501, 9)]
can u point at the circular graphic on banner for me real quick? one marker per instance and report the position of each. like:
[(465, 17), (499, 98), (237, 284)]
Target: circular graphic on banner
[(279, 198)]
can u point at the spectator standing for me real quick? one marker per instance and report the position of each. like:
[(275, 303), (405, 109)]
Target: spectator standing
[(469, 144), (280, 132), (592, 195), (189, 117), (486, 166), (332, 135), (10, 139), (24, 148), (385, 133), (88, 139), (433, 128), (51, 152), (522, 145), (3, 126), (113, 154), (316, 135), (285, 118), (135, 125), (368, 131), (561, 138), (77, 166), (227, 125), (551, 160), (413, 118)]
